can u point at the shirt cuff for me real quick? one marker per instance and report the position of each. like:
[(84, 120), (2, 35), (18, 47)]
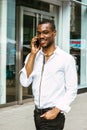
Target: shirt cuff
[(24, 80), (23, 70), (63, 108)]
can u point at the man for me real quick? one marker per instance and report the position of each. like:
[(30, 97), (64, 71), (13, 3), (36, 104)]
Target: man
[(54, 79)]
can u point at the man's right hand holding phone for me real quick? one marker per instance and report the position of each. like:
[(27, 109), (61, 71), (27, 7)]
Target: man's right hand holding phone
[(35, 45), (34, 49)]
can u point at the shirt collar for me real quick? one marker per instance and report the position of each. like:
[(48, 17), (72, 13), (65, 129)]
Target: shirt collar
[(57, 51)]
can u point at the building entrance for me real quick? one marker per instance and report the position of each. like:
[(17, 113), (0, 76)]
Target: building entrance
[(27, 21)]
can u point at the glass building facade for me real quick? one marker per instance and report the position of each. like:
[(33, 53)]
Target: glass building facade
[(78, 39), (18, 21)]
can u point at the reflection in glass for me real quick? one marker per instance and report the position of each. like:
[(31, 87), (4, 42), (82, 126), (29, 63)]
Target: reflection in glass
[(29, 29), (78, 40), (11, 53)]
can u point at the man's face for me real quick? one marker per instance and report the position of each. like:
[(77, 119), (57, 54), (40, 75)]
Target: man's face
[(45, 35)]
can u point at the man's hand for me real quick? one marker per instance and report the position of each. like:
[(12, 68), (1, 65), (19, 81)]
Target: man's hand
[(34, 48), (51, 114), (30, 63)]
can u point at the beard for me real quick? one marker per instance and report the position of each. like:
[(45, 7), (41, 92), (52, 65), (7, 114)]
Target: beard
[(48, 45)]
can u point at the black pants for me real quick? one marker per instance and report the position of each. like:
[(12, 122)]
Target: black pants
[(44, 124)]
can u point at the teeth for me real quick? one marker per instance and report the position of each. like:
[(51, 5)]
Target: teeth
[(43, 40)]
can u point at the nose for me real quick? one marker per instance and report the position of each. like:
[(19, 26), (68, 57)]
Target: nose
[(41, 35)]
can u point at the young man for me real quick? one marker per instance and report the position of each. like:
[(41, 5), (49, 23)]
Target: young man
[(54, 79)]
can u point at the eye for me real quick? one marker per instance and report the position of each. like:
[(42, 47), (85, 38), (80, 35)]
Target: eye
[(45, 32), (38, 33)]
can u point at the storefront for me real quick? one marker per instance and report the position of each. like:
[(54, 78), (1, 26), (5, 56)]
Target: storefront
[(18, 21)]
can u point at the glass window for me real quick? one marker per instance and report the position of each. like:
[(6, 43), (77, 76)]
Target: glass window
[(7, 51), (34, 4), (11, 53), (78, 40), (3, 38)]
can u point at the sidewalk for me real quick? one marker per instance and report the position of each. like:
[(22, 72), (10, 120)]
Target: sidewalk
[(20, 117)]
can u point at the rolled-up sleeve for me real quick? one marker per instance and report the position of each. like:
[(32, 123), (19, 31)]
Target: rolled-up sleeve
[(24, 80)]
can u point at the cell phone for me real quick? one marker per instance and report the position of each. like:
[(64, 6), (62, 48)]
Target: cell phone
[(37, 43)]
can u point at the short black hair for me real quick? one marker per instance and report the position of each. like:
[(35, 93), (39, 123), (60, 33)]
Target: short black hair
[(48, 21)]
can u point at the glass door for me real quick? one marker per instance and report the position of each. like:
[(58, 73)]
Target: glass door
[(27, 21), (29, 29)]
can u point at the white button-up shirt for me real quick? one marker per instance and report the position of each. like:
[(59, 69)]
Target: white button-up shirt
[(57, 86)]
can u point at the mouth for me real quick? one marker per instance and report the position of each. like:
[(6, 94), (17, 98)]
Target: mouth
[(43, 41)]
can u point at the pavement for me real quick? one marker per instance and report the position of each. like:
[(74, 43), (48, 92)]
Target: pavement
[(20, 117)]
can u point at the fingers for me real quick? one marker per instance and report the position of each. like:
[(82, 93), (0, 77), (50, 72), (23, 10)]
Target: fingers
[(34, 47), (33, 41), (46, 115), (51, 114), (43, 115)]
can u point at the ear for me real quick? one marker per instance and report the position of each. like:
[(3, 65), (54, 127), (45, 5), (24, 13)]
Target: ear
[(54, 33)]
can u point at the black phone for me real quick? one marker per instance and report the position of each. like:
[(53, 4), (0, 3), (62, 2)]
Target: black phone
[(37, 43)]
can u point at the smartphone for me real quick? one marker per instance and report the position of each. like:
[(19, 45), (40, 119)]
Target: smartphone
[(37, 43)]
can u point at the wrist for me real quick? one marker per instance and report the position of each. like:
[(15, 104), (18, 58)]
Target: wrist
[(57, 110), (33, 54)]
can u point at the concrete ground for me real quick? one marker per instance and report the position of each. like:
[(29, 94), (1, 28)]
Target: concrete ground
[(20, 117)]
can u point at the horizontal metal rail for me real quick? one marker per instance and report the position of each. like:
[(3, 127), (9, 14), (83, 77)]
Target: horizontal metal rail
[(78, 2)]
